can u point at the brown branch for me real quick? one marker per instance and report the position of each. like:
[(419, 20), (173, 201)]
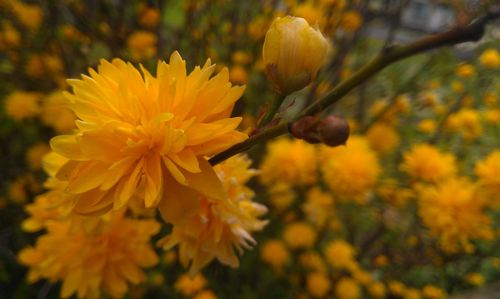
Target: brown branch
[(472, 32)]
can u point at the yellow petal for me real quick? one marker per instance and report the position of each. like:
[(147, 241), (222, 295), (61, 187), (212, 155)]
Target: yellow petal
[(187, 160), (179, 202), (174, 171), (67, 146), (206, 182)]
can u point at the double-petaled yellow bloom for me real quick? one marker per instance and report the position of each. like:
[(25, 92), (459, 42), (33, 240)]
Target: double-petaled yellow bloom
[(147, 137)]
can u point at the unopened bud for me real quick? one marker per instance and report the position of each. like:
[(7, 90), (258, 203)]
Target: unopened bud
[(306, 128), (333, 130), (293, 52)]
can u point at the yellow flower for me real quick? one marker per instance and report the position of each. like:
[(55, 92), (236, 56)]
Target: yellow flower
[(454, 214), (488, 171), (411, 293), (293, 53), (190, 285), (205, 294), (149, 17), (427, 126), (9, 37), (274, 253), (347, 288), (433, 292), (426, 163), (142, 45), (18, 192), (339, 254), (318, 284), (238, 75), (428, 98), (318, 207), (312, 14), (467, 122), (30, 15), (216, 228), (377, 290), (396, 288), (465, 70), (35, 154), (351, 21), (107, 258), (146, 137), (350, 171), (383, 138), (289, 161), (312, 261), (41, 65), (20, 105), (56, 113), (281, 195), (299, 235), (490, 58), (475, 279)]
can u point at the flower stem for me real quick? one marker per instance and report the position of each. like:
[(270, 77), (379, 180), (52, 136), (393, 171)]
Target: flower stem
[(271, 111)]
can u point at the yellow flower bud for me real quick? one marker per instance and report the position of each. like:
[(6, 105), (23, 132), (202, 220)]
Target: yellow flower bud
[(293, 53)]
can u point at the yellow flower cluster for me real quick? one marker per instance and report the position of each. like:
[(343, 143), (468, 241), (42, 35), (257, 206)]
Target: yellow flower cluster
[(90, 257), (426, 163), (454, 213), (352, 171), (292, 162), (213, 228)]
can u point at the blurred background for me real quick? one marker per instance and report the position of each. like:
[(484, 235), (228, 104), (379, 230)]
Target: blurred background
[(384, 217)]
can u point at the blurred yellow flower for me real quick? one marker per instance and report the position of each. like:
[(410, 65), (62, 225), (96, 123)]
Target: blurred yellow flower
[(467, 122), (147, 137), (490, 58), (107, 258), (149, 17), (293, 52), (476, 279), (454, 214), (350, 171), (347, 288), (205, 294), (142, 44), (299, 235), (351, 21), (318, 284), (289, 161), (18, 191), (238, 75), (488, 171), (426, 163), (35, 154), (41, 65), (281, 195), (216, 228), (319, 206), (427, 126), (433, 292), (30, 15), (383, 138), (312, 261), (465, 70), (376, 289), (396, 288), (21, 105), (411, 293), (274, 253), (339, 254), (189, 285), (9, 37), (56, 113)]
